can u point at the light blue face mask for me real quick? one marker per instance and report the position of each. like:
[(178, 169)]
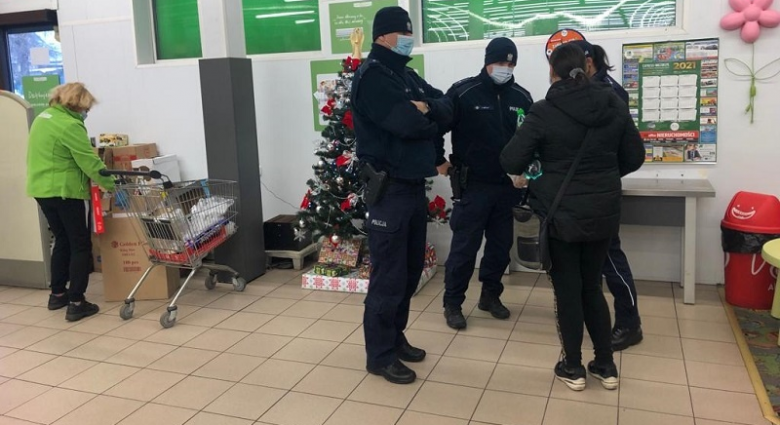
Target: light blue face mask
[(84, 115), (501, 74), (404, 45)]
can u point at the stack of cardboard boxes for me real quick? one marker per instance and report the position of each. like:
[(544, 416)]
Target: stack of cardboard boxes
[(120, 252)]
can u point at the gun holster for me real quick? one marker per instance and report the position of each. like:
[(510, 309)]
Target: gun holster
[(458, 174), (375, 183)]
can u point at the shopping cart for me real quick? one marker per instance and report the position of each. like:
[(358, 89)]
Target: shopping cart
[(181, 223)]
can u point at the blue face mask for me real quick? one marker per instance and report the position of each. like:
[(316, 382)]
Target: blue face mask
[(84, 115), (501, 74), (404, 45)]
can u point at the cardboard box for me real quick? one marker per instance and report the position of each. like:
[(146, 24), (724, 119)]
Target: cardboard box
[(124, 260), (280, 235), (111, 140), (167, 165), (122, 157)]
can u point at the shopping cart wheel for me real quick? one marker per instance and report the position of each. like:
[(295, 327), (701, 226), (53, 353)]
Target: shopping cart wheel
[(211, 281), (168, 319), (239, 284), (126, 312)]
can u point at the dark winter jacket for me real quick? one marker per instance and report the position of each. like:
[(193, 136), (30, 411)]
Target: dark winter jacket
[(555, 129), (391, 133), (603, 77), (484, 119)]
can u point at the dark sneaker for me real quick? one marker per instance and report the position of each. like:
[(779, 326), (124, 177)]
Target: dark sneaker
[(494, 306), (56, 303), (607, 374), (454, 316), (79, 311), (408, 353), (573, 377), (396, 372), (623, 338)]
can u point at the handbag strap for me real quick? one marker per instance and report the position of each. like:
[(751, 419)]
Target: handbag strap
[(569, 176)]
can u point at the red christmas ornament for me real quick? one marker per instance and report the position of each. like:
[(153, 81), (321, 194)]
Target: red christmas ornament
[(345, 159), (437, 207), (347, 120), (306, 200), (327, 110)]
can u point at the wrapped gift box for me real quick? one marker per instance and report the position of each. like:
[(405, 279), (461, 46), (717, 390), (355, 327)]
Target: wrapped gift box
[(331, 270)]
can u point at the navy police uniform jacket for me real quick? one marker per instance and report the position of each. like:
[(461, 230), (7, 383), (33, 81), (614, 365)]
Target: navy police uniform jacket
[(485, 117), (603, 77), (392, 134)]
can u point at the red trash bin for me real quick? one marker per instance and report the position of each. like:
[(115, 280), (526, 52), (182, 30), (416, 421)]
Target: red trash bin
[(751, 220)]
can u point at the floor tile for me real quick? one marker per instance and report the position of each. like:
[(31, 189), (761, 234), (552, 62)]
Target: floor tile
[(136, 329), (286, 326), (278, 374), (725, 378), (667, 398), (541, 296), (8, 328), (431, 322), (229, 367), (14, 393), (100, 378), (659, 307), (594, 393), (56, 371), (21, 361), (216, 339), (358, 337), (141, 354), (565, 412), (50, 406), (272, 306), (99, 324), (309, 309), (538, 315), (177, 335), (26, 337), (522, 380), (31, 316), (204, 418), (712, 352), (658, 346), (61, 342), (352, 299), (417, 418), (446, 399), (348, 356), (333, 297), (234, 302), (288, 410), (145, 385), (489, 328), (200, 298), (247, 322), (351, 413), (100, 348), (156, 414), (331, 382), (207, 317), (421, 302), (726, 406), (667, 326), (696, 329), (641, 417), (329, 330), (9, 310), (247, 401), (375, 390), (703, 312), (101, 410), (260, 345), (657, 369), (289, 292), (345, 313), (182, 311), (536, 334), (193, 392), (466, 347), (184, 360), (431, 342), (533, 355), (464, 372), (306, 350)]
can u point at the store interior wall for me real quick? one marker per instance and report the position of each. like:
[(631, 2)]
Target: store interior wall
[(161, 103)]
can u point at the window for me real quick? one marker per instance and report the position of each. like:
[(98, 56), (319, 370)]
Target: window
[(281, 26), (458, 20), (176, 29), (35, 60)]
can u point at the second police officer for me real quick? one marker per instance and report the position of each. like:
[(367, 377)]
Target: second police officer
[(487, 109)]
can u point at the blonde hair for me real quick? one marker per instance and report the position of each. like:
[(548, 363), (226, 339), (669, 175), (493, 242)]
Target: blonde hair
[(73, 96)]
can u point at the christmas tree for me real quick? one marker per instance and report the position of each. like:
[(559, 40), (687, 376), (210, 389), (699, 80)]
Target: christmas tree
[(333, 207)]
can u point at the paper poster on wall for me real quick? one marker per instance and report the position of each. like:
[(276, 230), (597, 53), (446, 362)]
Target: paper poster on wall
[(324, 75), (673, 97), (345, 17), (36, 90)]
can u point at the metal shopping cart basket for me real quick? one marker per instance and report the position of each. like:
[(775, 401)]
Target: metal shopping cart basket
[(180, 224)]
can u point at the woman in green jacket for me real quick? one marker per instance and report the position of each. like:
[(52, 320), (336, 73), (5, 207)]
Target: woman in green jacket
[(60, 163)]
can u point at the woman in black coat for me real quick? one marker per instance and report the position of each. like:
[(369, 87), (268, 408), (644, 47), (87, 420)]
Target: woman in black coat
[(589, 213)]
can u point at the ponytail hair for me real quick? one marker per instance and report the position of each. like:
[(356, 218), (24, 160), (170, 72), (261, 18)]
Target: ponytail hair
[(568, 62), (600, 59)]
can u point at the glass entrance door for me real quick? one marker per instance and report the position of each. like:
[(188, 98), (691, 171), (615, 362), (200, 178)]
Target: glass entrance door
[(35, 63)]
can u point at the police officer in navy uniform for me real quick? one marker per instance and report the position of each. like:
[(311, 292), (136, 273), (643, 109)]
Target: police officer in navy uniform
[(397, 116), (487, 111), (617, 271)]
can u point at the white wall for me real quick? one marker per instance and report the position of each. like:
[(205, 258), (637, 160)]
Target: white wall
[(161, 103), (13, 6)]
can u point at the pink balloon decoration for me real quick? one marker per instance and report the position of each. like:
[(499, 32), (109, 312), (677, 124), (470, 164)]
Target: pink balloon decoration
[(750, 15)]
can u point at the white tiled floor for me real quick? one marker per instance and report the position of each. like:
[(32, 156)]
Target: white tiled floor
[(278, 354)]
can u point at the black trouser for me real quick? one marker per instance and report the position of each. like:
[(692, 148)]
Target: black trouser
[(72, 255), (484, 209), (576, 278), (397, 227), (620, 281)]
